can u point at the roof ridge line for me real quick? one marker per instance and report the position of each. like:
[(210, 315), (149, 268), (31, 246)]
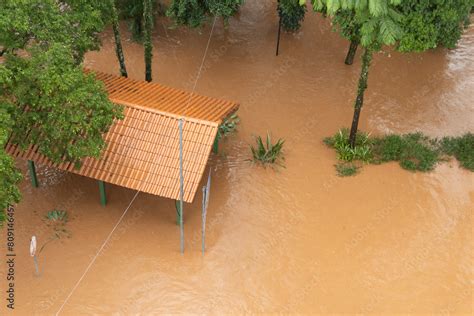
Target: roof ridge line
[(155, 111)]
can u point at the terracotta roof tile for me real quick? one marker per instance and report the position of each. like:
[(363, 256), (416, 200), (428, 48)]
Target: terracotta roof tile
[(128, 91)]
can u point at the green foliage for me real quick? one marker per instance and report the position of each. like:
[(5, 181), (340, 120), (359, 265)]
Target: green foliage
[(462, 148), (375, 22), (194, 13), (345, 169), (57, 219), (267, 152), (291, 14), (54, 105), (9, 174), (187, 12), (347, 24), (414, 151), (57, 216), (74, 23), (133, 10), (428, 24), (340, 141), (224, 8), (228, 126)]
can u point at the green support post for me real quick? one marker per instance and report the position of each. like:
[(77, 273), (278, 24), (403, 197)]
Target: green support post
[(178, 212), (103, 197), (215, 146), (32, 168)]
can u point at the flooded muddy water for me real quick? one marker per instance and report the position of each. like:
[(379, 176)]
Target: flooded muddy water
[(293, 240)]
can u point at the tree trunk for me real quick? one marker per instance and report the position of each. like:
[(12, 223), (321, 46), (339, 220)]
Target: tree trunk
[(118, 40), (148, 27), (351, 53), (362, 86)]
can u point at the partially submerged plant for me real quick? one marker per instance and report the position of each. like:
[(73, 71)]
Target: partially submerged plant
[(267, 152), (462, 148), (228, 126), (345, 169), (340, 141), (57, 216), (413, 151), (57, 219)]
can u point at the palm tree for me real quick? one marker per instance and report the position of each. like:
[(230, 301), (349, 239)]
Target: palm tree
[(375, 23)]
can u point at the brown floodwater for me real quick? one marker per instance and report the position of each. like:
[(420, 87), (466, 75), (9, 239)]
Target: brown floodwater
[(292, 240)]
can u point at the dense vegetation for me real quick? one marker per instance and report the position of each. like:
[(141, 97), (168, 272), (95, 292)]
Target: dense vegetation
[(429, 24), (409, 25), (413, 151), (194, 13), (291, 13)]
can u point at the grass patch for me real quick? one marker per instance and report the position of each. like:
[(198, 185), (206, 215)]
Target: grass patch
[(345, 169), (460, 147), (414, 151), (268, 152)]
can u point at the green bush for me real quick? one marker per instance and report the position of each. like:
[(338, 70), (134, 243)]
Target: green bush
[(340, 142), (460, 147), (346, 169), (268, 152), (291, 14), (228, 126), (413, 151), (57, 216)]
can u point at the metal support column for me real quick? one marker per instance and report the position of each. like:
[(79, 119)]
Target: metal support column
[(103, 196), (178, 212), (32, 168)]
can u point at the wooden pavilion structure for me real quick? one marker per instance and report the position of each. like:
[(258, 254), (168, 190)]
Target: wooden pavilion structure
[(142, 150)]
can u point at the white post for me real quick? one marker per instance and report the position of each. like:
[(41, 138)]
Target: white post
[(33, 253), (181, 186)]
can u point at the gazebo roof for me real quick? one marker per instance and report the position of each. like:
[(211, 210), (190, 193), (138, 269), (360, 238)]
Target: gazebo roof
[(128, 91), (142, 150)]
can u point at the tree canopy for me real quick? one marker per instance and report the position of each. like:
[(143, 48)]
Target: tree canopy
[(291, 13), (429, 24), (374, 22), (74, 23), (194, 13), (9, 175), (46, 99)]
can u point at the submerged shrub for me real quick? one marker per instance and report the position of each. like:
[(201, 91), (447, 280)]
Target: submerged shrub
[(460, 147), (57, 216), (414, 151), (267, 152), (346, 169), (228, 126), (340, 141)]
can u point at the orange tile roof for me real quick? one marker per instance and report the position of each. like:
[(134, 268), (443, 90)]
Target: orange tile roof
[(128, 91), (142, 153)]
